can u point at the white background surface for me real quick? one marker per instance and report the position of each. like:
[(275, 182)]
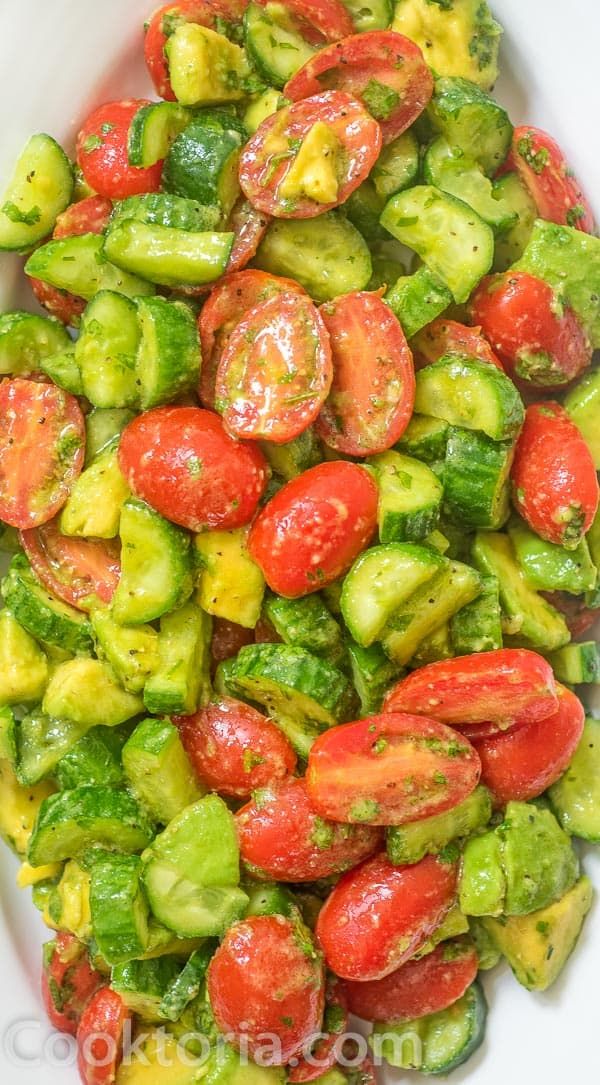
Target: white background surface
[(60, 58)]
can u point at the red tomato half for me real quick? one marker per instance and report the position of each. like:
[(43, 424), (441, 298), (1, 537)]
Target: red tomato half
[(523, 763), (165, 21), (283, 837), (555, 487), (249, 227), (386, 70), (373, 391), (390, 769), (419, 987), (378, 915), (42, 446), (100, 1038), (538, 342), (89, 216), (68, 981), (311, 531), (234, 749), (267, 977), (275, 371), (264, 166), (102, 152), (330, 18), (504, 688), (545, 172), (79, 571), (227, 639), (183, 463), (449, 337)]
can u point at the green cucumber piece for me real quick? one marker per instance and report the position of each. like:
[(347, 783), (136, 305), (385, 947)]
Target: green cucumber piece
[(79, 265), (578, 663), (106, 350), (186, 986), (410, 496), (274, 45), (94, 760), (549, 567), (411, 842), (454, 172), (167, 256), (63, 370), (477, 479), (592, 598), (86, 692), (42, 614), (487, 954), (42, 742), (226, 1066), (471, 120), (159, 771), (370, 14), (453, 241), (428, 608), (202, 165), (70, 822), (119, 908), (165, 209), (335, 258), (307, 623), (23, 665), (101, 428), (40, 189), (153, 130), (482, 886), (438, 1043), (168, 358), (397, 166), (27, 340), (511, 244), (582, 403), (156, 574), (204, 67), (142, 985), (363, 209), (293, 457), (575, 798), (381, 580), (372, 675), (472, 394), (261, 107), (230, 584), (478, 626), (418, 299), (436, 646), (270, 898), (425, 438), (8, 736), (93, 508), (181, 681), (131, 651)]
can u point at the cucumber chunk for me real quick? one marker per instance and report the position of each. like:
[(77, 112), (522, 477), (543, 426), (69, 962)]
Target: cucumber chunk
[(397, 166), (8, 736), (477, 479), (425, 438), (428, 608), (19, 807), (363, 209), (471, 394), (410, 496), (549, 567), (293, 457), (186, 986), (106, 350), (372, 675), (449, 169), (452, 926), (166, 256), (203, 165), (230, 583), (226, 1066), (411, 842), (165, 209), (94, 759), (79, 265), (583, 406), (42, 742), (131, 651), (577, 663), (23, 665), (511, 244), (453, 241), (381, 580), (261, 107), (275, 47), (156, 572), (181, 682), (418, 299), (153, 130), (478, 626), (438, 1043), (472, 121), (86, 692), (119, 908), (27, 340), (72, 821), (158, 770), (142, 985), (63, 370), (93, 508), (168, 358), (436, 646), (39, 190), (42, 614), (101, 428), (306, 623), (335, 258), (575, 798)]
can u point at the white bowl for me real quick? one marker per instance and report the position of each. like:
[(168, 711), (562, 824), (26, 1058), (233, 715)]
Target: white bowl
[(58, 59)]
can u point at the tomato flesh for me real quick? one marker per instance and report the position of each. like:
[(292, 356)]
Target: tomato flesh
[(165, 20), (183, 463), (373, 391), (378, 915), (311, 531), (264, 978), (68, 982), (449, 337), (78, 571), (283, 837), (546, 174), (100, 1038), (102, 152)]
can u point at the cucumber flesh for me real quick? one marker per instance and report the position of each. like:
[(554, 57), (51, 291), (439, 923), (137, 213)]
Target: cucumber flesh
[(79, 265), (409, 843), (578, 663), (410, 497), (274, 45), (152, 131), (438, 1043), (156, 574), (71, 821), (42, 614), (335, 257), (450, 170), (27, 340), (381, 580), (168, 358), (471, 394), (119, 908), (428, 608), (39, 190), (166, 256), (472, 121), (418, 299), (106, 351)]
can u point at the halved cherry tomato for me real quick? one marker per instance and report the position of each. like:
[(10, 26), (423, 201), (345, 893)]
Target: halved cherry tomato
[(234, 749), (249, 226), (324, 1053), (283, 837), (102, 152), (449, 337), (79, 571), (328, 17), (538, 341), (523, 763), (267, 977), (502, 688), (378, 915), (227, 639), (89, 216), (390, 769), (100, 1038), (551, 182), (265, 633), (386, 70), (373, 391), (183, 463), (264, 165), (42, 446), (164, 22), (68, 981), (311, 531), (419, 987), (229, 301), (275, 370), (578, 617), (555, 487)]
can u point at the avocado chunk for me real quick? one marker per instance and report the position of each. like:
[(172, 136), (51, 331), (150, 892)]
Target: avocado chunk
[(23, 665), (131, 651), (537, 946), (205, 68), (313, 172), (582, 403), (159, 771), (458, 37), (575, 798), (70, 902), (19, 807), (93, 508), (157, 1061), (550, 567), (409, 843), (569, 261), (230, 583), (86, 692), (225, 1067)]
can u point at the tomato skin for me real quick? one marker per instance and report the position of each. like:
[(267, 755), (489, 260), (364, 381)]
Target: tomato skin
[(378, 915), (555, 487), (578, 617), (538, 344), (504, 688), (203, 12), (329, 17), (311, 531), (262, 170), (275, 371), (158, 454), (449, 337), (78, 571), (42, 448), (390, 769), (102, 152), (229, 301), (373, 391), (100, 1038), (417, 988), (227, 639), (263, 978), (523, 763), (68, 981), (282, 837), (235, 749), (350, 65), (545, 173)]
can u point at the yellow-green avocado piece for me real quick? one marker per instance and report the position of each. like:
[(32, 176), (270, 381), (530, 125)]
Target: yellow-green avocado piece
[(313, 172), (458, 37), (205, 68)]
